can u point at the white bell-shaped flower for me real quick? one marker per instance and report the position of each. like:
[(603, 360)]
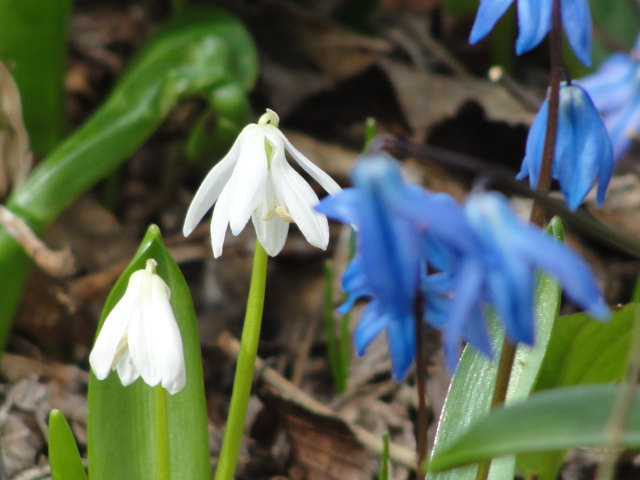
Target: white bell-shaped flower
[(140, 336), (254, 180)]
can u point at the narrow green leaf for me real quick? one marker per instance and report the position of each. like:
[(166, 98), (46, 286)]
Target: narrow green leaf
[(33, 45), (383, 473), (66, 463), (468, 399), (550, 420), (203, 51), (471, 390), (120, 420)]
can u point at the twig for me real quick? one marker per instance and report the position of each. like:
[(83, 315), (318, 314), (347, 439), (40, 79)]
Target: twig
[(522, 95), (371, 442), (59, 264)]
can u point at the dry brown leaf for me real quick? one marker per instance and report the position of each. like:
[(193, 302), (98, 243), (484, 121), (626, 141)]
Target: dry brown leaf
[(304, 53), (428, 98), (324, 447)]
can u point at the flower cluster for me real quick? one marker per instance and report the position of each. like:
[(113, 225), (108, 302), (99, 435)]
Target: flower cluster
[(254, 180), (414, 246), (615, 91), (583, 151), (140, 336), (534, 21)]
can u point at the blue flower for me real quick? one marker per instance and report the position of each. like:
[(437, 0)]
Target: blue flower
[(391, 253), (583, 151), (534, 20), (501, 271), (615, 91)]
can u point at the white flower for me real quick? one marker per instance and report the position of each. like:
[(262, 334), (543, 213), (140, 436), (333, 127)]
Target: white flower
[(255, 180), (140, 337)]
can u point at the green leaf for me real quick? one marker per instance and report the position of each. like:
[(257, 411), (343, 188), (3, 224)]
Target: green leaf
[(66, 463), (471, 390), (120, 419), (33, 45), (205, 51), (582, 351), (550, 420)]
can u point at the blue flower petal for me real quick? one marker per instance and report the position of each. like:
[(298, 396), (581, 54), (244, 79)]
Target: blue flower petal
[(468, 291), (390, 253), (489, 13), (555, 258), (583, 149), (355, 284), (534, 22), (401, 337), (535, 147), (510, 280), (576, 19), (344, 206), (624, 125), (374, 320), (611, 87)]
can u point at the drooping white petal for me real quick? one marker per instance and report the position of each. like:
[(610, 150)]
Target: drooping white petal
[(211, 188), (272, 234), (220, 222), (325, 181), (246, 185), (299, 199), (126, 370), (147, 332), (167, 354), (271, 230), (113, 329)]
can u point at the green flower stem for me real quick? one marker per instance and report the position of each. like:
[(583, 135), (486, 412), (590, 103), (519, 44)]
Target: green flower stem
[(162, 453), (244, 370)]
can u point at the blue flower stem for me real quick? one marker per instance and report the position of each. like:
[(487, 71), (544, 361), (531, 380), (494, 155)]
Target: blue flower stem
[(162, 466), (244, 369), (544, 181), (422, 418), (508, 353)]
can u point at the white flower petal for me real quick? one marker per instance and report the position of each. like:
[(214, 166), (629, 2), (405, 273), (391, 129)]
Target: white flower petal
[(167, 353), (220, 222), (325, 181), (114, 328), (126, 370), (148, 337), (299, 198), (211, 188), (271, 233), (246, 185)]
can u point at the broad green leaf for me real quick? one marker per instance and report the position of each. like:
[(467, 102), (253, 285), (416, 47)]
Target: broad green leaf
[(120, 419), (205, 51), (33, 45), (66, 463), (471, 389), (550, 420), (582, 351)]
